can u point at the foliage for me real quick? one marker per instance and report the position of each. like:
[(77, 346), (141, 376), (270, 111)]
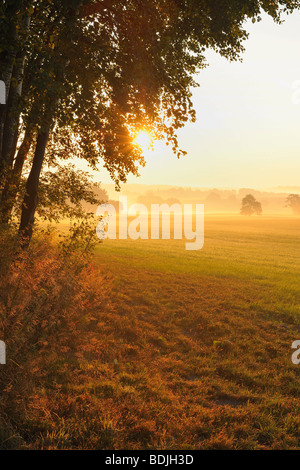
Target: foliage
[(64, 193), (293, 201), (250, 206)]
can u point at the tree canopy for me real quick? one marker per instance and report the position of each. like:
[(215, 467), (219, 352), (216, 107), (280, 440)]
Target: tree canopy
[(250, 206), (293, 201)]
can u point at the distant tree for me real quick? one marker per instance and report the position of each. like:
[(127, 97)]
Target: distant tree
[(293, 201), (250, 206)]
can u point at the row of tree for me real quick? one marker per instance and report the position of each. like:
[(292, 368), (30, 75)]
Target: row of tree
[(82, 76)]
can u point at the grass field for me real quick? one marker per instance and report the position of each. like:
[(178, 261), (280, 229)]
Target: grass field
[(194, 351)]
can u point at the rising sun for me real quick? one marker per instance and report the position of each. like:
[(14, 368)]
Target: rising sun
[(143, 140)]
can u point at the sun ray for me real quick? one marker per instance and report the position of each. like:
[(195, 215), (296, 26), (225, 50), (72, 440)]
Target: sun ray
[(144, 140)]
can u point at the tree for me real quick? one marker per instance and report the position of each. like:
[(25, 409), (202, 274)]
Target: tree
[(15, 23), (250, 206), (293, 201), (98, 71)]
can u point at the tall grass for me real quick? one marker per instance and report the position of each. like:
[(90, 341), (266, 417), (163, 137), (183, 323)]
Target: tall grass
[(50, 296)]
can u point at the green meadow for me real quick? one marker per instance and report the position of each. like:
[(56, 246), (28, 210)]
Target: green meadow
[(264, 252)]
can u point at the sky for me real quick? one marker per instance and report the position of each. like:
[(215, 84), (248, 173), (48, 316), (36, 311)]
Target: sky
[(247, 132)]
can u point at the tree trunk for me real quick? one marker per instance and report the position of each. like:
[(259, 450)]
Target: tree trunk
[(31, 194), (13, 181), (11, 124), (7, 59)]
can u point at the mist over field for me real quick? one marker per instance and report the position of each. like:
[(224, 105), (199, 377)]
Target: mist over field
[(215, 200)]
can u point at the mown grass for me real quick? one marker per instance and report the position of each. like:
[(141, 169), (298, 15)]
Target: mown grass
[(193, 350)]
